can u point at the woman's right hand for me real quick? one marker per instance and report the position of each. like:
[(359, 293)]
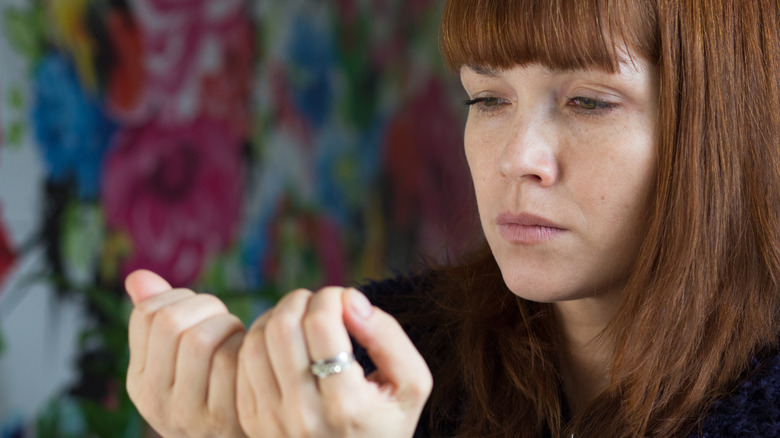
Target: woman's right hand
[(278, 396), (183, 357)]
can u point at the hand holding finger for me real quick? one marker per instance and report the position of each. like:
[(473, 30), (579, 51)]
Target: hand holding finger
[(280, 394), (399, 365)]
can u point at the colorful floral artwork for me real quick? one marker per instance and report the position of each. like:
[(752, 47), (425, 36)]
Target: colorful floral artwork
[(177, 191), (242, 148)]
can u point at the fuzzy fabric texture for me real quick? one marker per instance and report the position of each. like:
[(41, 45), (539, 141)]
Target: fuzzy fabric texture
[(751, 410)]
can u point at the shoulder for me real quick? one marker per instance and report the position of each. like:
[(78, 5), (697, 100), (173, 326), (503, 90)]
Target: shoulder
[(753, 409)]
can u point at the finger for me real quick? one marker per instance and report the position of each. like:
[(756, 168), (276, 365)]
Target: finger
[(287, 350), (398, 362), (143, 284), (222, 385), (326, 337), (224, 372), (169, 323), (198, 349), (257, 390), (140, 325)]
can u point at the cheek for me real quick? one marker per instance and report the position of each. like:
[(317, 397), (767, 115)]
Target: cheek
[(482, 178), (613, 178), (623, 188), (478, 158), (623, 196), (470, 144), (482, 141)]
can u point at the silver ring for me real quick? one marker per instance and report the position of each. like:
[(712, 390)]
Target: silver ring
[(334, 365)]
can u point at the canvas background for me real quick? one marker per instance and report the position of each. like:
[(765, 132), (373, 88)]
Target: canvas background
[(241, 148)]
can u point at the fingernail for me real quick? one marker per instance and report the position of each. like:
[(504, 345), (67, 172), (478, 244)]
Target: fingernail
[(360, 304)]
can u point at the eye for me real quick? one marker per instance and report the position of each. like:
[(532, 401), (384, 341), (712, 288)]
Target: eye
[(588, 104), (486, 104)]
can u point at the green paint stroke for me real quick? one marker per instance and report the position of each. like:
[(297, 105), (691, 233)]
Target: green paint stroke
[(25, 31)]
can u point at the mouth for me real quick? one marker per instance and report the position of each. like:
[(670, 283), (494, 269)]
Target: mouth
[(527, 229)]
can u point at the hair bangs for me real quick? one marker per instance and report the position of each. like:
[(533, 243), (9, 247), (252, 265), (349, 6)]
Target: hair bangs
[(559, 34)]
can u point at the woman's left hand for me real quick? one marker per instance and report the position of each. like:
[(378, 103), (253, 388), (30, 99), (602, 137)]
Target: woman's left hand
[(278, 396)]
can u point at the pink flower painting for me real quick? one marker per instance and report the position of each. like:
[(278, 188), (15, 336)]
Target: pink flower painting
[(178, 194), (188, 48)]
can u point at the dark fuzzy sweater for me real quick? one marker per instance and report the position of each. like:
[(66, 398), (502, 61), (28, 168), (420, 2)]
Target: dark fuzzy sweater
[(751, 410)]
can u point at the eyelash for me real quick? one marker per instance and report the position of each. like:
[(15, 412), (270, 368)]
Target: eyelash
[(480, 104), (599, 106)]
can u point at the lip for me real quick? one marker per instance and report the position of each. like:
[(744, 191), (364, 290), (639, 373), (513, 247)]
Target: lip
[(527, 229)]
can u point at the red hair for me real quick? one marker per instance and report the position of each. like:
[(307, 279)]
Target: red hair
[(704, 297)]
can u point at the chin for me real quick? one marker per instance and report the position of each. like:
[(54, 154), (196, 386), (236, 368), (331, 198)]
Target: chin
[(530, 288), (539, 293)]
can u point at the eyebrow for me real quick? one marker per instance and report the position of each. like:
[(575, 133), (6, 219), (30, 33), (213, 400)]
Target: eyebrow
[(484, 70)]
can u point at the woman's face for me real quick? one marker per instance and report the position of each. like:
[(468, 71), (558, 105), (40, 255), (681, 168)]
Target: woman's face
[(562, 163)]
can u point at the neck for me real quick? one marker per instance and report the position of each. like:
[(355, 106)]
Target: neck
[(586, 355)]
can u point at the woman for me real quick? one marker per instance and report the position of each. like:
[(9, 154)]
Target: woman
[(626, 164)]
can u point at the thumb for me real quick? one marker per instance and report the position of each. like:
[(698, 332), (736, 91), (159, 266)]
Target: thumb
[(143, 284), (397, 360)]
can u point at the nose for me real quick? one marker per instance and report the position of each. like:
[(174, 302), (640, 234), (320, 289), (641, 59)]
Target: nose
[(529, 153)]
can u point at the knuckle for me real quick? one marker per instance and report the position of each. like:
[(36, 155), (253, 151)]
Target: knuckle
[(198, 342), (299, 293), (331, 292), (211, 300), (317, 321), (170, 319), (283, 324), (292, 298)]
